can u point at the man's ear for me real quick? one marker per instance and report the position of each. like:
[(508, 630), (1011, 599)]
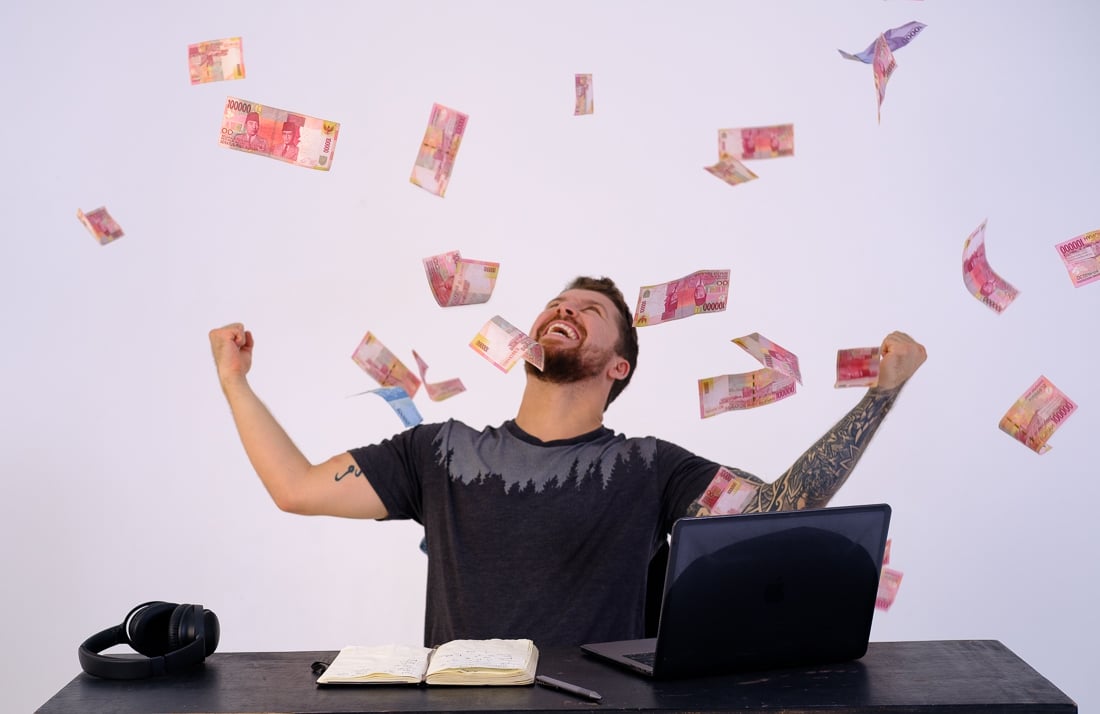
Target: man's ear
[(619, 368)]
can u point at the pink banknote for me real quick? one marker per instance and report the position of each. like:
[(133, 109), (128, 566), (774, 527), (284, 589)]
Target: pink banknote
[(504, 344), (294, 138), (729, 392), (980, 280), (770, 354), (216, 60), (726, 494), (702, 291), (756, 142), (436, 158), (731, 171), (1037, 414), (100, 224), (888, 583), (383, 365), (857, 367), (1081, 256), (438, 391), (455, 280), (585, 103), (883, 66)]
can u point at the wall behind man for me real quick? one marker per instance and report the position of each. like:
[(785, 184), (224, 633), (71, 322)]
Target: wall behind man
[(125, 480)]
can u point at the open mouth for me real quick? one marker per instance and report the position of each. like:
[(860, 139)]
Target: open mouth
[(561, 329)]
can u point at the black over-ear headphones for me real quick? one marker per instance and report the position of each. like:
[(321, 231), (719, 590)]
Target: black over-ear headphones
[(172, 637)]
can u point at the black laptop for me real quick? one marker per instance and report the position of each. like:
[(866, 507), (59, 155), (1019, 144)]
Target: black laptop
[(763, 591)]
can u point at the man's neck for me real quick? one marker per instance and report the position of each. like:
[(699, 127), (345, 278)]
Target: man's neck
[(550, 412)]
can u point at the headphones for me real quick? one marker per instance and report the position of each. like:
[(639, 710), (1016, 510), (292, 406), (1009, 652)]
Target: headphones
[(172, 637)]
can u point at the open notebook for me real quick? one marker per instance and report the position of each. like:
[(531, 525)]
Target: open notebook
[(461, 662)]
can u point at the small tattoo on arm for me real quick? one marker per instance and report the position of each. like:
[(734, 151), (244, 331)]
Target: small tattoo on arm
[(351, 471)]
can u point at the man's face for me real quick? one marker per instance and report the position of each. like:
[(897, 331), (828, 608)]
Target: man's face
[(252, 126), (578, 332), (288, 136)]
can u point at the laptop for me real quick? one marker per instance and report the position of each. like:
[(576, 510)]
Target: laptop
[(763, 591)]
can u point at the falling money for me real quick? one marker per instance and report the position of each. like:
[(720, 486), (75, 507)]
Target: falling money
[(729, 392), (760, 142), (434, 162), (216, 60), (731, 171), (857, 367), (726, 494), (702, 291), (585, 101), (380, 363), (401, 403), (1037, 414), (458, 281), (276, 133), (503, 344), (883, 65), (895, 39), (770, 354), (1081, 256), (100, 224), (888, 584), (979, 278), (438, 391)]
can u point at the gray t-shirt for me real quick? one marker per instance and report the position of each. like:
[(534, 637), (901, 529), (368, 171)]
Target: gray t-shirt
[(545, 540)]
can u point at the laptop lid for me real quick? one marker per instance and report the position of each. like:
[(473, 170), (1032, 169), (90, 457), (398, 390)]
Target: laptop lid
[(766, 590)]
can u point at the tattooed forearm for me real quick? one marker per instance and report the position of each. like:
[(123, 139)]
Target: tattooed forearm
[(819, 473)]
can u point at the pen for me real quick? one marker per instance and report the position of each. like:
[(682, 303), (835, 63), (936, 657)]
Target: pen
[(567, 687)]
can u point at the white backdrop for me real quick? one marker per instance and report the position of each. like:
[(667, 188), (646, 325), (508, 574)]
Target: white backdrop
[(125, 481)]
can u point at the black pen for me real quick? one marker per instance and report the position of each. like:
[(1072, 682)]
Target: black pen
[(567, 687)]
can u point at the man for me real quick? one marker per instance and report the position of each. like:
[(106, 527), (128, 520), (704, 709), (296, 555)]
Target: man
[(545, 526), (250, 138)]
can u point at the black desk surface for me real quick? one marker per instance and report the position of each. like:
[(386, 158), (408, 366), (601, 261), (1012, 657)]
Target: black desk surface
[(935, 676)]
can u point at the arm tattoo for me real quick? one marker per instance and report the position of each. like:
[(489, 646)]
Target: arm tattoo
[(819, 473), (351, 471)]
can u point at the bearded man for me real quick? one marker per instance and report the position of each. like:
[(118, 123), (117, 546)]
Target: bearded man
[(543, 527)]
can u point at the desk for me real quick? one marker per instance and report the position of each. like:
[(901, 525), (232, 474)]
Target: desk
[(974, 676)]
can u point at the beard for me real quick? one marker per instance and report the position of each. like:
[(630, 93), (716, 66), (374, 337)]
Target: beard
[(566, 366)]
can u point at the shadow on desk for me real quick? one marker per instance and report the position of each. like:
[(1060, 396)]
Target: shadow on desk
[(973, 676)]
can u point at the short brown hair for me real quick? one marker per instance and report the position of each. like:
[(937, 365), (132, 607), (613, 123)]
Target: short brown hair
[(627, 346)]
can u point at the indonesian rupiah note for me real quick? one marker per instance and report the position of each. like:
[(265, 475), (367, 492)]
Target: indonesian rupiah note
[(756, 142), (377, 361), (726, 494), (294, 138), (215, 60), (888, 584), (1037, 415), (702, 291), (980, 280), (731, 171), (438, 391), (729, 392), (895, 38), (585, 103), (504, 344), (770, 354), (455, 280), (401, 403), (436, 158), (1081, 256), (857, 367), (883, 65), (100, 224)]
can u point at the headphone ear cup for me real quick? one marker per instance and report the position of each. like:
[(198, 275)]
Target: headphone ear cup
[(183, 627), (147, 628), (213, 631)]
